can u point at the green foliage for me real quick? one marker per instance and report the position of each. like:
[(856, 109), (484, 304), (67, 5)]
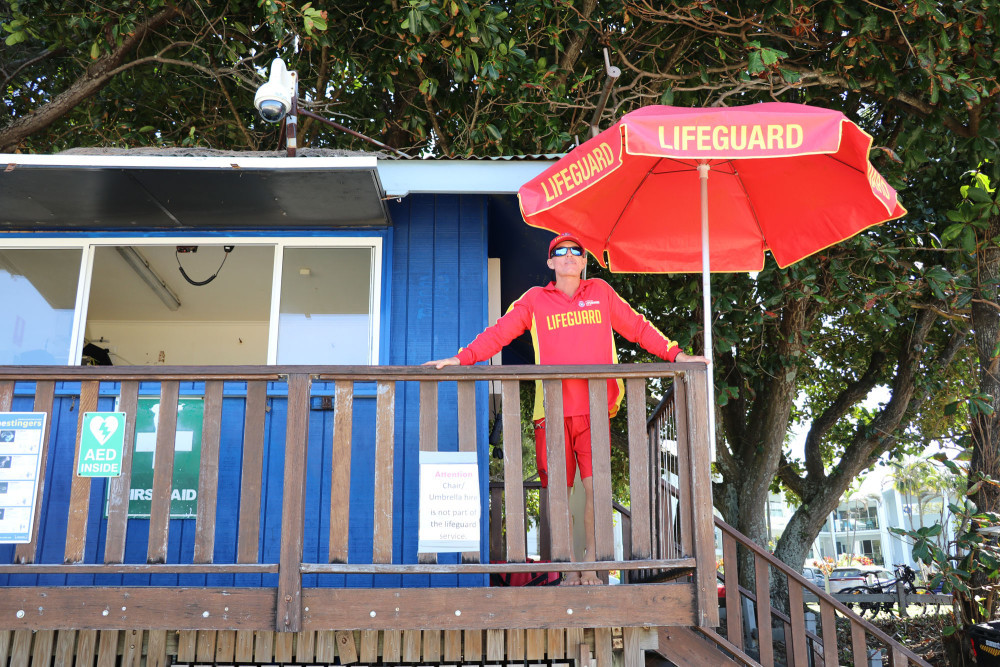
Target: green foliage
[(968, 567), (455, 78)]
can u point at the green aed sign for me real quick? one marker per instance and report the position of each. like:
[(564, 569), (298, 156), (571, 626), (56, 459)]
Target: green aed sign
[(187, 458), (101, 444)]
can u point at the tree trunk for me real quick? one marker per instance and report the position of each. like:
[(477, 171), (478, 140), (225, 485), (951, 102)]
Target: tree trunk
[(985, 429), (801, 531), (957, 649), (750, 519)]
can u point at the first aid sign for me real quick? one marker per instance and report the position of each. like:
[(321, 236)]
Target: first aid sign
[(101, 444)]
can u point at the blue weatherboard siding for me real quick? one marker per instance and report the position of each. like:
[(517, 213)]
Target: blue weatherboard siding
[(438, 304), (435, 274)]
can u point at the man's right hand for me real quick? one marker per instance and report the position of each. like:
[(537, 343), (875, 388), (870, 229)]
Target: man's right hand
[(441, 363)]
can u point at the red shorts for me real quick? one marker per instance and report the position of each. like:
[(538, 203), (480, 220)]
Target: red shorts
[(576, 432)]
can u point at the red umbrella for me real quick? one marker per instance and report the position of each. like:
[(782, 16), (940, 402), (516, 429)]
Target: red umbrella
[(672, 189)]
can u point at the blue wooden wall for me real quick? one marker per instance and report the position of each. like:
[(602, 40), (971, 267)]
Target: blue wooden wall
[(434, 301), (438, 304)]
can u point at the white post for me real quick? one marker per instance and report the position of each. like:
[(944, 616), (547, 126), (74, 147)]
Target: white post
[(706, 295)]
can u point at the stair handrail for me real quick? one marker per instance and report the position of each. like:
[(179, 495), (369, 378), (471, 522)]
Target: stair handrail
[(854, 618)]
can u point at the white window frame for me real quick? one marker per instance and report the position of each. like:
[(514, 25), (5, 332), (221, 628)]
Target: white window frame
[(88, 245)]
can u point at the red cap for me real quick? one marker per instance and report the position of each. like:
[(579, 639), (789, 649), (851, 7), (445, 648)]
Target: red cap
[(562, 238)]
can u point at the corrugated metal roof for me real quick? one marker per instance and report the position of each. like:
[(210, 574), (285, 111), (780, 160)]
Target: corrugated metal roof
[(173, 151), (535, 157), (196, 151)]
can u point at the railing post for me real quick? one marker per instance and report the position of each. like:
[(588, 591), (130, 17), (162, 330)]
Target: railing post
[(163, 473), (289, 608), (44, 400), (638, 469), (79, 494), (702, 518), (513, 476), (561, 541)]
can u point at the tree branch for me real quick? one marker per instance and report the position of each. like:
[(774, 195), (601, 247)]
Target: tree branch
[(793, 480), (96, 77), (852, 393), (867, 437), (575, 46), (914, 103), (59, 50)]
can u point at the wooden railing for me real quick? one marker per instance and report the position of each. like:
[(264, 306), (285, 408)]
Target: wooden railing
[(320, 459), (662, 510), (800, 618), (791, 620)]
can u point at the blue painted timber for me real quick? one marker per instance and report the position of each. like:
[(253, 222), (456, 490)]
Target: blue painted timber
[(435, 274)]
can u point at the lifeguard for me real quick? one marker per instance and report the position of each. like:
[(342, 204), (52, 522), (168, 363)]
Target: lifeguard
[(580, 317)]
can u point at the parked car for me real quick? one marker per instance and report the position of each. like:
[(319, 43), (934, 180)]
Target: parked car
[(814, 575), (858, 575)]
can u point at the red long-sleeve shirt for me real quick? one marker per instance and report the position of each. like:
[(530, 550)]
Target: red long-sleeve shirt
[(572, 330)]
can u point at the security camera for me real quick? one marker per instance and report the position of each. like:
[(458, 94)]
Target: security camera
[(274, 99)]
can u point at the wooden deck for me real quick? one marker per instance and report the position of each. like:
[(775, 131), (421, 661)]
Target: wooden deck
[(157, 648), (666, 534), (89, 595)]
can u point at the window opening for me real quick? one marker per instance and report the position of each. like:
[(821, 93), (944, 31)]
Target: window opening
[(143, 312)]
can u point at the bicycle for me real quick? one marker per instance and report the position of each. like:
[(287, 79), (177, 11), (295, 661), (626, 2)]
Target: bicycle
[(865, 609), (905, 577)]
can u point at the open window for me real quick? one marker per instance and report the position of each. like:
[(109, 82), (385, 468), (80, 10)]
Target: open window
[(143, 310), (326, 306)]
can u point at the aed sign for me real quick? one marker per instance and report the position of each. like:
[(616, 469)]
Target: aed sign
[(101, 444)]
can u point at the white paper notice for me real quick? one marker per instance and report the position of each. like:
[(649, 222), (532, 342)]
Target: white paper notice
[(449, 502), (20, 458)]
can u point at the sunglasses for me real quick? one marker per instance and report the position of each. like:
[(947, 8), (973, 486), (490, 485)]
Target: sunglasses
[(567, 250)]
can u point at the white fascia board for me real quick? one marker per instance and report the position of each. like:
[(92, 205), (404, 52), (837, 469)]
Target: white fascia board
[(8, 160), (492, 177)]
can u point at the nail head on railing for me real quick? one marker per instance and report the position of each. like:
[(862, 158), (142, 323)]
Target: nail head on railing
[(204, 614), (458, 612), (569, 611), (20, 613), (372, 614), (104, 613)]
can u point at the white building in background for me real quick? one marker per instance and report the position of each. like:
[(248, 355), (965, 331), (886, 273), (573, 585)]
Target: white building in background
[(860, 524)]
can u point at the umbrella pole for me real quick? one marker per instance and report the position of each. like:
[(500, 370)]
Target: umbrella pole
[(706, 295)]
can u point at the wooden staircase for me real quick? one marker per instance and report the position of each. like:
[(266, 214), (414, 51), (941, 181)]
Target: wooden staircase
[(803, 621)]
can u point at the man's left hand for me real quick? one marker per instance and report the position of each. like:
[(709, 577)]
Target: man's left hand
[(683, 357)]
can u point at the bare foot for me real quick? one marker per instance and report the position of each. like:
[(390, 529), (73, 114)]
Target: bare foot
[(571, 579), (590, 578)]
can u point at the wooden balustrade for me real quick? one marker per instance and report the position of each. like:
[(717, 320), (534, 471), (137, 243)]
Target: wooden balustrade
[(776, 597), (241, 565)]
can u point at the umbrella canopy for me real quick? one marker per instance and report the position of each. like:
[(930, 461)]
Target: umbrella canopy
[(674, 189), (785, 178)]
